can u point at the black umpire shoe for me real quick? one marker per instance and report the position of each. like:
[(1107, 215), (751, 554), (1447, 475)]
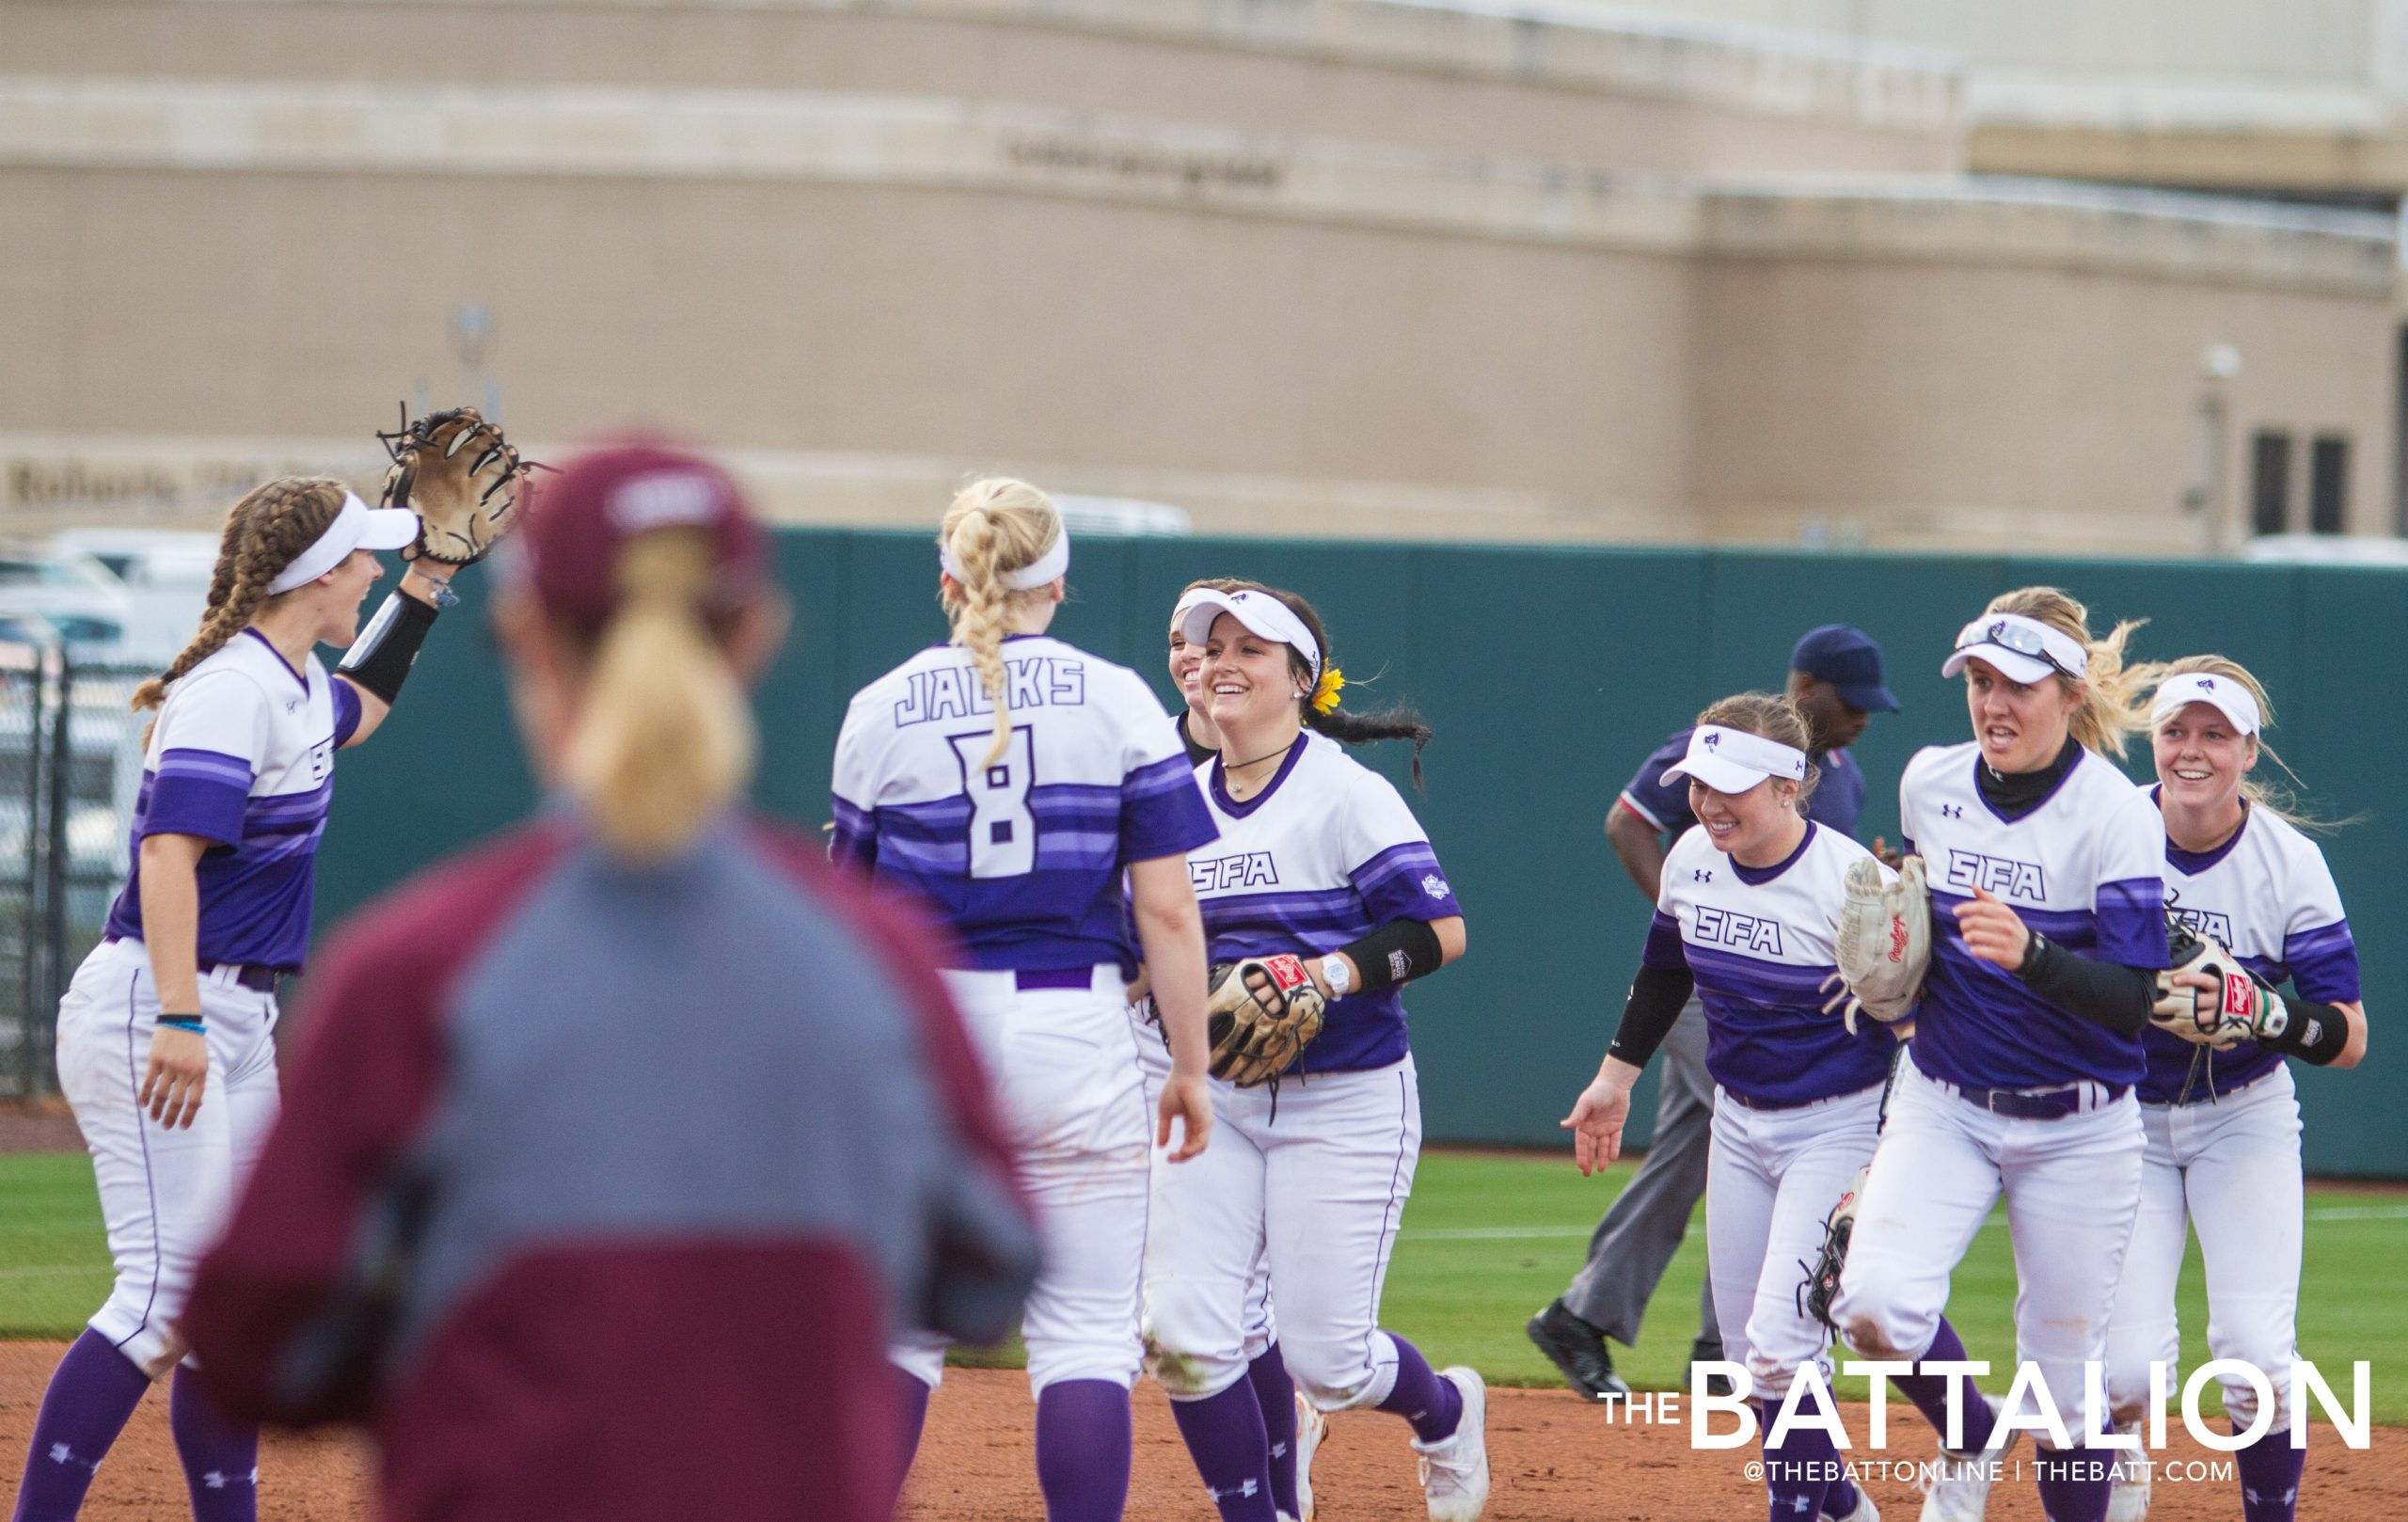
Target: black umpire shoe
[(1706, 1351), (1579, 1350)]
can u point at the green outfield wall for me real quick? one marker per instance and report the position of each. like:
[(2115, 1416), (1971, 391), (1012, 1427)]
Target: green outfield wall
[(1548, 672)]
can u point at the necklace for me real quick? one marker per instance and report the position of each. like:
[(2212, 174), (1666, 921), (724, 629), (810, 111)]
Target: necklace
[(1226, 768)]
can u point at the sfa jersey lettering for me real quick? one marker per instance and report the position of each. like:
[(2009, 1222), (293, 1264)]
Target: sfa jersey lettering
[(1748, 932), (2000, 875), (956, 692), (1246, 869)]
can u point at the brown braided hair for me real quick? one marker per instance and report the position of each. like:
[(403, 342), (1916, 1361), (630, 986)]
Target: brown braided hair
[(266, 533)]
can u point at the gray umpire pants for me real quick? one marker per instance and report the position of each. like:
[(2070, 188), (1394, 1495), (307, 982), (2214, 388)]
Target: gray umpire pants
[(1646, 1222)]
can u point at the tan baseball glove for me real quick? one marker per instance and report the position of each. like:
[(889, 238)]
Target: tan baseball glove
[(1883, 945), (1259, 1014), (462, 478)]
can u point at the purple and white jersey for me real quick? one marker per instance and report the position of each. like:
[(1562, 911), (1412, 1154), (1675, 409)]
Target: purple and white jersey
[(242, 756), (2267, 896), (1022, 858), (1758, 941), (2082, 866), (1325, 854)]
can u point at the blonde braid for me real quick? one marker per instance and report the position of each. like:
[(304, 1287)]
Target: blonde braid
[(995, 526), (265, 532)]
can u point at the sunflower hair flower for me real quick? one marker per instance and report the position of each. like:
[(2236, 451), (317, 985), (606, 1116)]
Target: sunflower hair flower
[(1332, 683)]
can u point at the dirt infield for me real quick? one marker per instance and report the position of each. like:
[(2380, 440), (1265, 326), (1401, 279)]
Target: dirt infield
[(1556, 1460)]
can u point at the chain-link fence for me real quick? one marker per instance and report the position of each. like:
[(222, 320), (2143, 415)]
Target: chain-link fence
[(71, 764)]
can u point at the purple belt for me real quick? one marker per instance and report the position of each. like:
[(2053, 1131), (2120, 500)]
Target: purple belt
[(1028, 978)]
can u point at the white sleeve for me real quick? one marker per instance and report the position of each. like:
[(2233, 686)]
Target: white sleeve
[(221, 711)]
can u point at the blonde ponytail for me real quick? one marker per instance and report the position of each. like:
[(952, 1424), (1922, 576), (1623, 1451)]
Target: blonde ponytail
[(2106, 718), (994, 527), (664, 738)]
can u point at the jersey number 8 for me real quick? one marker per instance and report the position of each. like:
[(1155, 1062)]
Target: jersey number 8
[(1003, 831)]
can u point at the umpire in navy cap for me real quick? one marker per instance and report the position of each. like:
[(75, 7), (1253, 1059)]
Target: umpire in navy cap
[(1835, 680)]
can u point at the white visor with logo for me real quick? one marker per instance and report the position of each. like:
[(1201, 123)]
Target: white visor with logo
[(1733, 760), (358, 526), (1259, 611), (2222, 694)]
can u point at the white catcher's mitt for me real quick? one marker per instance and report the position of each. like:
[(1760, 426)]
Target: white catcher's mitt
[(1883, 943)]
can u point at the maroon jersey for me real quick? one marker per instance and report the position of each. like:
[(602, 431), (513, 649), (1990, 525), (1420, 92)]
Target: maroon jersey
[(600, 1190)]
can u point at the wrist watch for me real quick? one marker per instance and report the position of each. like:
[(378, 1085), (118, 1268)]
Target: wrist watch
[(1334, 973)]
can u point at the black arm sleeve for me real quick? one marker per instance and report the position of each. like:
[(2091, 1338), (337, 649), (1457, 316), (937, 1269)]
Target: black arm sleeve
[(1656, 997), (2317, 1031), (2103, 992), (380, 660), (1397, 952)]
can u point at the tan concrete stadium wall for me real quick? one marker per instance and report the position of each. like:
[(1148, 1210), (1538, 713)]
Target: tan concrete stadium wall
[(1615, 93), (1945, 407)]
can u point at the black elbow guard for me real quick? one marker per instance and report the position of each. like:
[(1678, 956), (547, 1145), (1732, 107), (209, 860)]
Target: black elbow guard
[(379, 660), (1397, 952)]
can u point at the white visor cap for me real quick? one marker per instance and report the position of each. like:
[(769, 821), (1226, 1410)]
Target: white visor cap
[(358, 526), (2023, 649), (1259, 611), (2222, 694), (1733, 760)]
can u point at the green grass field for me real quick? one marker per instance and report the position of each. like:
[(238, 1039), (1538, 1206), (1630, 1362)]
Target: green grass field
[(1487, 1241)]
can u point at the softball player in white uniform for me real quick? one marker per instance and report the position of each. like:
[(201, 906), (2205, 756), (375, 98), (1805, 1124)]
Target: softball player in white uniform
[(166, 1047), (1009, 779), (1292, 1427), (1318, 855), (2223, 1127), (2048, 927), (1745, 917)]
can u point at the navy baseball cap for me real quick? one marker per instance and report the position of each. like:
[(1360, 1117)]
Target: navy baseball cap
[(1848, 659)]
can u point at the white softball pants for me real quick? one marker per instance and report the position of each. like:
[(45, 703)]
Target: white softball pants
[(2072, 1186), (1771, 1179), (2230, 1169), (164, 1195), (1153, 1066), (1316, 1193), (1064, 1069)]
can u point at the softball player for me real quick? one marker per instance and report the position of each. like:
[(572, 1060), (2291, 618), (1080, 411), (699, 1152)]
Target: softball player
[(1009, 779), (2047, 927), (1744, 918), (1317, 852), (165, 1046), (2223, 1127), (1292, 1427)]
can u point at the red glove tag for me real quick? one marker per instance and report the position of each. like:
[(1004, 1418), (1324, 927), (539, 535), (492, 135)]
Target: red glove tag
[(1287, 970), (2240, 994)]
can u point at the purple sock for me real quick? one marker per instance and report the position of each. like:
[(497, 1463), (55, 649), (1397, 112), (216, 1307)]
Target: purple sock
[(1800, 1472), (911, 1395), (2074, 1484), (1276, 1394), (221, 1457), (1224, 1437), (2270, 1470), (1082, 1450), (1432, 1405), (92, 1392), (1929, 1393)]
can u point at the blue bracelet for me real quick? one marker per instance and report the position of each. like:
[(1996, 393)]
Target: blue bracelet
[(181, 1023)]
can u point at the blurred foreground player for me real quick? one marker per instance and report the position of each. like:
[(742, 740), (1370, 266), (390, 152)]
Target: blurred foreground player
[(622, 1142)]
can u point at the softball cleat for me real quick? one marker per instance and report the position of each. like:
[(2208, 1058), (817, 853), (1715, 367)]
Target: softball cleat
[(1311, 1429), (2128, 1499), (1454, 1470), (1957, 1488)]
